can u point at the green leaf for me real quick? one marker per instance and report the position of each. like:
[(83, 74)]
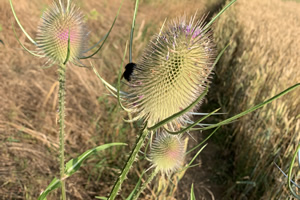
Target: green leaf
[(218, 15), (96, 44), (73, 165), (119, 82), (85, 57), (32, 53), (192, 125), (55, 183), (192, 193), (227, 121), (108, 86), (198, 145), (103, 198), (130, 197), (290, 174), (191, 162), (68, 49)]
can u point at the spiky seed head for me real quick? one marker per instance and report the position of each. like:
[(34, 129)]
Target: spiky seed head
[(173, 71), (57, 25), (167, 153)]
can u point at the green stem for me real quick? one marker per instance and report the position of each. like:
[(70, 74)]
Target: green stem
[(143, 187), (61, 94), (132, 29), (130, 161), (290, 173)]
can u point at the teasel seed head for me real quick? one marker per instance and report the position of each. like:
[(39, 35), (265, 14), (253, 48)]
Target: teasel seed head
[(59, 23), (174, 70), (167, 153)]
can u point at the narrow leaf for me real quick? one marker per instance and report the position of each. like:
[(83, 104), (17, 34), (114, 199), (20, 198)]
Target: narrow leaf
[(55, 183), (286, 175), (290, 174), (202, 141), (299, 158), (251, 109), (34, 54), (14, 13), (218, 15), (106, 84), (130, 197), (68, 49), (119, 81), (73, 165), (96, 44), (192, 125), (196, 155), (188, 166), (103, 198), (85, 57), (192, 193), (220, 55)]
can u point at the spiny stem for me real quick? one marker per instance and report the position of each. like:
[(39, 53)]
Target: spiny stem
[(143, 187), (61, 94), (130, 161)]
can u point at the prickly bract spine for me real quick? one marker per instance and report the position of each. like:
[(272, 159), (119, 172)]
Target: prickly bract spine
[(58, 24), (173, 71)]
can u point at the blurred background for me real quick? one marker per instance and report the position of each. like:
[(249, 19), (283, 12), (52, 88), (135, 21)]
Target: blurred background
[(238, 163)]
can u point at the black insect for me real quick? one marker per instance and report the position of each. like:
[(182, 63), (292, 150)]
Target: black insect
[(128, 71)]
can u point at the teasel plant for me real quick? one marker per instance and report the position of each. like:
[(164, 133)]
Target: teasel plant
[(61, 40), (166, 87)]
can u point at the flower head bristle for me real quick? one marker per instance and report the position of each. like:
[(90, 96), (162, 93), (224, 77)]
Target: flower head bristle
[(173, 71), (167, 153), (57, 26)]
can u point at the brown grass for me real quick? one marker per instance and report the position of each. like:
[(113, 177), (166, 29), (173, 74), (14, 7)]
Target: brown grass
[(28, 103), (263, 60)]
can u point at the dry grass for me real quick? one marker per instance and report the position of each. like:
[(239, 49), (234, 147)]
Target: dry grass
[(263, 60), (28, 103)]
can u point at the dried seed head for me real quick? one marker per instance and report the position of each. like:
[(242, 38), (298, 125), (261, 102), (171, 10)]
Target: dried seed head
[(57, 25), (173, 71), (167, 153)]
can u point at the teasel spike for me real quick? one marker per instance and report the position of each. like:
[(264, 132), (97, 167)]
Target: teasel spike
[(167, 153), (60, 30)]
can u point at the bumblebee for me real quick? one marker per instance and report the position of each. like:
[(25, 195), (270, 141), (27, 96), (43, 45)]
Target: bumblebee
[(129, 68)]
